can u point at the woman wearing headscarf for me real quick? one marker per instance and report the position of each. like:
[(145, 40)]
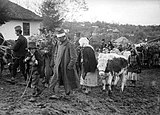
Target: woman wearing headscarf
[(133, 67), (88, 65)]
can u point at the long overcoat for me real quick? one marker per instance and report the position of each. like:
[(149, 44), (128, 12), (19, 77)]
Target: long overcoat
[(65, 58)]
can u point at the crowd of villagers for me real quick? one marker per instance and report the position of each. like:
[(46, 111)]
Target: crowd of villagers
[(55, 57), (145, 55), (148, 53)]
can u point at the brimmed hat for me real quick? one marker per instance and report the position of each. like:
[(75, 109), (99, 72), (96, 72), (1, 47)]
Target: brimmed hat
[(17, 28), (61, 33), (32, 45)]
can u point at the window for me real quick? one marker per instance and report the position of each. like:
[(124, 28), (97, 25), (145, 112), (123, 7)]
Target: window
[(26, 29)]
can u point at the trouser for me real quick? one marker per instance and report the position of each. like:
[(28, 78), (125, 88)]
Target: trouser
[(57, 81), (35, 79), (133, 76), (18, 62)]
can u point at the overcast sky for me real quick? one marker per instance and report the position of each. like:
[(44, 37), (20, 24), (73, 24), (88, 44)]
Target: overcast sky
[(136, 12)]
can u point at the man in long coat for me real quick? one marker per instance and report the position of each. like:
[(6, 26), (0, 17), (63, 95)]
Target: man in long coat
[(65, 65)]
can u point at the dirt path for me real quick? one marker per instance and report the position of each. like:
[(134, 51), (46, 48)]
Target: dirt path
[(141, 100)]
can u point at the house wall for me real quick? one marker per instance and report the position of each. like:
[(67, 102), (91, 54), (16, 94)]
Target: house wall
[(8, 31)]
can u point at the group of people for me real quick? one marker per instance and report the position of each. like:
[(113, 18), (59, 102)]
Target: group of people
[(64, 63), (134, 63)]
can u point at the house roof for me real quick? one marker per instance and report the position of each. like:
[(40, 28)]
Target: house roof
[(122, 40), (17, 12)]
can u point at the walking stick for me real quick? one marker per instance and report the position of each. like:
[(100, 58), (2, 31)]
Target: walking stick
[(29, 79)]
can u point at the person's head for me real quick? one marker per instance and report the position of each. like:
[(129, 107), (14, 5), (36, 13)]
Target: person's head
[(109, 42), (83, 41), (109, 48), (32, 47), (18, 30), (61, 36), (77, 36), (103, 40), (133, 52)]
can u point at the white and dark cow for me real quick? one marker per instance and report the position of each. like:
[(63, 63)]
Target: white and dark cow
[(115, 67), (126, 53)]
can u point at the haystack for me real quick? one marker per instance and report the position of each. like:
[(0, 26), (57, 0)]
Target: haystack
[(122, 41)]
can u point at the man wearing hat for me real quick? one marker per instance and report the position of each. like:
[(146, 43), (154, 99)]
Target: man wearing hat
[(65, 65), (19, 51), (35, 61)]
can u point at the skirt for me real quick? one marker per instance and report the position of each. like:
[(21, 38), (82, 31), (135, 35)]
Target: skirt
[(91, 79)]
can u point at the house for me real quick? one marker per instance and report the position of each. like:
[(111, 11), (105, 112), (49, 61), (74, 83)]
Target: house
[(122, 41), (29, 21)]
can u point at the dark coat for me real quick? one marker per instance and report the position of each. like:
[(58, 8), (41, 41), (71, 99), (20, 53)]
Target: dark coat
[(103, 45), (134, 63), (65, 67), (89, 63), (20, 46), (40, 60)]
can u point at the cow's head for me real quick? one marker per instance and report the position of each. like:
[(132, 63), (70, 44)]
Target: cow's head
[(102, 63), (103, 60)]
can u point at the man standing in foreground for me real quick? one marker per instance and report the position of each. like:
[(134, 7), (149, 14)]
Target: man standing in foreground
[(65, 65), (19, 52)]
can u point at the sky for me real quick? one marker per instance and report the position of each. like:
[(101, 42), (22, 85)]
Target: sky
[(135, 12)]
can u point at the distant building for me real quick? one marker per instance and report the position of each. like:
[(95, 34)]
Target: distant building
[(122, 40), (29, 21)]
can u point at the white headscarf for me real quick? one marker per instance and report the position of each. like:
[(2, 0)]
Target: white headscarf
[(84, 42)]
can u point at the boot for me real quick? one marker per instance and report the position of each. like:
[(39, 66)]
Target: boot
[(134, 83), (37, 92)]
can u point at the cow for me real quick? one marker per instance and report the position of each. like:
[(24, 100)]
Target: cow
[(115, 67), (126, 53)]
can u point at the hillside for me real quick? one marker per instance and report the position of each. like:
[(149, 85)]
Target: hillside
[(102, 30)]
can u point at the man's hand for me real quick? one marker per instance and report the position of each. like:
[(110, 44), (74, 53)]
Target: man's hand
[(36, 62), (26, 59)]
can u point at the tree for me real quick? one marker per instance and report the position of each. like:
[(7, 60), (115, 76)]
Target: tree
[(3, 11), (55, 11), (51, 16), (71, 10)]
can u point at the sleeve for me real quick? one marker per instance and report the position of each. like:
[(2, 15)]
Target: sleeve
[(73, 57), (39, 58), (53, 56), (17, 45), (138, 61), (129, 60)]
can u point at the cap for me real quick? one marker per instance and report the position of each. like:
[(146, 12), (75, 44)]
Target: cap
[(17, 28)]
